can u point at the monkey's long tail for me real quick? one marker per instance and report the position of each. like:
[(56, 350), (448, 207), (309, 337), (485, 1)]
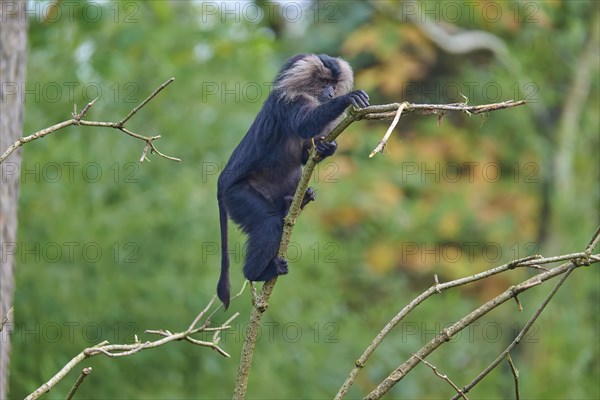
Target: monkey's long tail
[(224, 287)]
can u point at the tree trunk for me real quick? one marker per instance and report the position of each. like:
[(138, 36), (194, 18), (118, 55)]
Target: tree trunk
[(13, 44)]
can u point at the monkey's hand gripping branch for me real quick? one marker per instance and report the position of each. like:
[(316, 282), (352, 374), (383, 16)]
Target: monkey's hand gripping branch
[(352, 114), (78, 120)]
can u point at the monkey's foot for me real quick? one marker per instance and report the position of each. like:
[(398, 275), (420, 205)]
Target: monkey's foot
[(324, 149), (277, 266), (281, 265), (309, 195)]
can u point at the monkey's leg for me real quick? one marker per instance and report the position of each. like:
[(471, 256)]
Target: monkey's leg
[(262, 263), (263, 223)]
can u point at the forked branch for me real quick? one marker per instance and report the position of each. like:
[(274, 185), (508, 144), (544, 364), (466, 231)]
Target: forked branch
[(122, 350), (77, 119)]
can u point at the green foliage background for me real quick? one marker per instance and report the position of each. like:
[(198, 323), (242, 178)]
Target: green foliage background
[(379, 231)]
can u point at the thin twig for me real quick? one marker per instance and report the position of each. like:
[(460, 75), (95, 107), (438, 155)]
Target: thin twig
[(220, 306), (436, 281), (143, 103), (519, 305), (78, 116), (385, 138), (443, 376), (77, 120), (515, 373), (201, 314), (593, 242), (216, 337), (84, 373), (145, 153)]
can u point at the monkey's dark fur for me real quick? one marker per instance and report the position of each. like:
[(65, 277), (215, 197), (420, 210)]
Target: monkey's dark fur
[(258, 183)]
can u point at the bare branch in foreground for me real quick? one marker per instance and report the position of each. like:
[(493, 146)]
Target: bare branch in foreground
[(575, 260), (121, 350), (582, 258), (435, 289), (352, 114), (574, 264), (78, 120)]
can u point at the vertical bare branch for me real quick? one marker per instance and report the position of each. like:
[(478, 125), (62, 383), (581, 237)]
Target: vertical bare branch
[(261, 302), (78, 120)]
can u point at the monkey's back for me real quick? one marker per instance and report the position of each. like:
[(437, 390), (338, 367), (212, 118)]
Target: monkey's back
[(269, 156)]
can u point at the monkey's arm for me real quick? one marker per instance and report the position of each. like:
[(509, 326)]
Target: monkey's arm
[(308, 122)]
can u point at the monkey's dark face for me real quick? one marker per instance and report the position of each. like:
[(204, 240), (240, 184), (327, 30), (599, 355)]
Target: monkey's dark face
[(326, 90), (316, 78)]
